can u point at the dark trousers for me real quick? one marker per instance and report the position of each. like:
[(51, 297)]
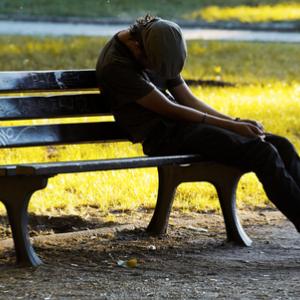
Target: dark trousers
[(274, 160)]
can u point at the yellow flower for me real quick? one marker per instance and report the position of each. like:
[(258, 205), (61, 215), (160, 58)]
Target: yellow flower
[(218, 69)]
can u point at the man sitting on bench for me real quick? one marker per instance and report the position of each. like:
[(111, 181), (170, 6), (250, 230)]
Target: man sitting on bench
[(135, 70)]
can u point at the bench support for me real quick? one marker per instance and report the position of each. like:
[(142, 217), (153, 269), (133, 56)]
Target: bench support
[(223, 177), (15, 193), (167, 184)]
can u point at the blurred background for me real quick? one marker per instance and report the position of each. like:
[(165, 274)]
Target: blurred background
[(245, 11), (253, 45)]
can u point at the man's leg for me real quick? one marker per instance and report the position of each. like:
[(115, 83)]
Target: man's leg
[(288, 154), (249, 154), (281, 188)]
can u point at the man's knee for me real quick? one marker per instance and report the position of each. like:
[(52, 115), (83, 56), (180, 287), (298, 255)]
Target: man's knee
[(267, 150), (261, 154), (282, 144), (260, 147)]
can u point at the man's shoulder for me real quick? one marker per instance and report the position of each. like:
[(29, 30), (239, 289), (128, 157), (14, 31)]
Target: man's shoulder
[(115, 55), (115, 66), (117, 71)]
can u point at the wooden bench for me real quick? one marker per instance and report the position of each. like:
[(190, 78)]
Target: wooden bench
[(18, 182)]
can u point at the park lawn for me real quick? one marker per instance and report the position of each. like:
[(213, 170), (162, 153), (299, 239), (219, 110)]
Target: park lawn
[(209, 10), (238, 62), (268, 89), (248, 14), (276, 105)]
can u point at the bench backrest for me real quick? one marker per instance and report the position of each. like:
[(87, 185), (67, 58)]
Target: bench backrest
[(82, 99)]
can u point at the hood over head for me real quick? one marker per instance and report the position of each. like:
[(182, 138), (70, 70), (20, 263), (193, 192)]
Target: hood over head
[(165, 47)]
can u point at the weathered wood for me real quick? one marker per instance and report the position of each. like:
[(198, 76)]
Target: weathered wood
[(22, 108), (47, 80), (41, 135), (66, 80), (100, 165)]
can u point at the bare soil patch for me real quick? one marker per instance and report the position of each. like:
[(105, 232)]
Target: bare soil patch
[(192, 261)]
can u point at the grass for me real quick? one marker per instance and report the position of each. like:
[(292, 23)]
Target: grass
[(130, 189), (243, 62), (249, 14), (232, 61), (268, 90), (130, 9)]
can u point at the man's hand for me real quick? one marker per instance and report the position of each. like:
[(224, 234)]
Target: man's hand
[(247, 129), (253, 122), (160, 104)]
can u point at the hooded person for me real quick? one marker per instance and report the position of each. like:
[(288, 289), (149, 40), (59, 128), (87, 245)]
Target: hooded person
[(164, 47), (138, 73), (148, 56)]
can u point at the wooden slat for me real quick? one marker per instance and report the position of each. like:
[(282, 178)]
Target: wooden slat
[(216, 83), (20, 136), (23, 108), (47, 80), (65, 80), (101, 165)]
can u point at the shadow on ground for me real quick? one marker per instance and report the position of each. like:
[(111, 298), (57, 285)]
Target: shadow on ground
[(192, 261)]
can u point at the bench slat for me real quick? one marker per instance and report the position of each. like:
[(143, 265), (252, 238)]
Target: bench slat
[(47, 80), (23, 108), (19, 136), (65, 80), (99, 165)]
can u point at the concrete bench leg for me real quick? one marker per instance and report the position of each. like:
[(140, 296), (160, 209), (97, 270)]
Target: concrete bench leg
[(224, 178), (167, 185), (226, 189), (15, 193)]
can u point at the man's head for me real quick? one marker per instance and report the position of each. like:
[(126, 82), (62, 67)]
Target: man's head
[(162, 43)]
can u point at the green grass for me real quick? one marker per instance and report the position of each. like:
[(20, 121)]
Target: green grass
[(243, 62), (232, 61), (269, 91), (249, 14), (131, 9), (130, 189)]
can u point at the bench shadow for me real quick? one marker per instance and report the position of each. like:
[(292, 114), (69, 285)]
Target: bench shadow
[(44, 224)]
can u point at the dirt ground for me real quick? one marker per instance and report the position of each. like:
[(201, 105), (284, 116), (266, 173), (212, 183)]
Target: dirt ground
[(192, 261)]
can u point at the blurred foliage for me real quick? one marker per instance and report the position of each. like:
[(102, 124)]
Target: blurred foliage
[(241, 62), (29, 53), (249, 14), (124, 9)]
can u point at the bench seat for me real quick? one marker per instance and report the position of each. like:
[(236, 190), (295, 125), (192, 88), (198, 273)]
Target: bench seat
[(54, 168)]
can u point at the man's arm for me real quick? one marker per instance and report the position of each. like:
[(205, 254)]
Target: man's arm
[(159, 103), (184, 96)]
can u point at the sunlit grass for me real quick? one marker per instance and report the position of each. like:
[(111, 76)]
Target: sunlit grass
[(249, 14), (276, 105), (268, 90), (231, 61), (243, 62), (42, 53)]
